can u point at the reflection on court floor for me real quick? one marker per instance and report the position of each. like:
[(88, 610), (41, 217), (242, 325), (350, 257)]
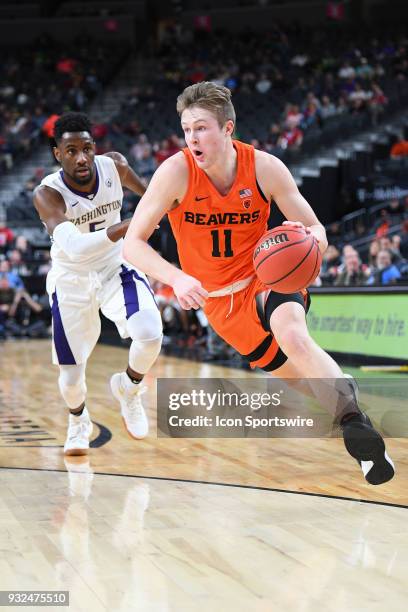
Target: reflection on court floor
[(123, 543)]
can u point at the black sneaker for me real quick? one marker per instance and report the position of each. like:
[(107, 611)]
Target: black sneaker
[(366, 445)]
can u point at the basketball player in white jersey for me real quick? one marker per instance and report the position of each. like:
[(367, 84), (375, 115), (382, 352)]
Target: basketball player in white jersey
[(80, 206)]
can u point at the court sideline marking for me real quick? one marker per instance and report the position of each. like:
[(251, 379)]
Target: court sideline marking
[(216, 484)]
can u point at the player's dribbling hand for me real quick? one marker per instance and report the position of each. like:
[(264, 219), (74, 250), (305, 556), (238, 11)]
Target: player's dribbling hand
[(189, 292), (299, 224)]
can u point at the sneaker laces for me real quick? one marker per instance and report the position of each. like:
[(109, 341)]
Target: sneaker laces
[(80, 429), (135, 406)]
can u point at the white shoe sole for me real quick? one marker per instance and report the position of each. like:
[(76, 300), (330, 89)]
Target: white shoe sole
[(132, 435)]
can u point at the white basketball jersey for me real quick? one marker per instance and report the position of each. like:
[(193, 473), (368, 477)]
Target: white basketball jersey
[(90, 212)]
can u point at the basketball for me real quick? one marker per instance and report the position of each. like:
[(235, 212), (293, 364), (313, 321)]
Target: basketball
[(287, 259)]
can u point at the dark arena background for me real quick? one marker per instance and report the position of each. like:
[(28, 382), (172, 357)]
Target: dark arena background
[(255, 519)]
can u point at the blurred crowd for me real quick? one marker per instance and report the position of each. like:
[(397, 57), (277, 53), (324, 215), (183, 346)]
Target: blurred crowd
[(288, 82), (24, 308), (381, 260), (40, 81)]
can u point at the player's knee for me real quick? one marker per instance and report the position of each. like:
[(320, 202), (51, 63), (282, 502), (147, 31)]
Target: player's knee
[(295, 341), (72, 385), (146, 326), (145, 329)]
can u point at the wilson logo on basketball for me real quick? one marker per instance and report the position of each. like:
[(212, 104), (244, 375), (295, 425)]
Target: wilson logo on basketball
[(270, 242)]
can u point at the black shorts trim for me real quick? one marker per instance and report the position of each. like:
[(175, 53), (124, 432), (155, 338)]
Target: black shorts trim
[(273, 301), (276, 362), (260, 350)]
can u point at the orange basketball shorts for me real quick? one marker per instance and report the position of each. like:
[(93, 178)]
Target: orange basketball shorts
[(242, 320)]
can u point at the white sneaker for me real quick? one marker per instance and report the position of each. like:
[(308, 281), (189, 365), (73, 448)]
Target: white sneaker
[(79, 431), (133, 414)]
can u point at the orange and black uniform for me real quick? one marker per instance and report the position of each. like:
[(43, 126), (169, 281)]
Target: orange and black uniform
[(216, 236)]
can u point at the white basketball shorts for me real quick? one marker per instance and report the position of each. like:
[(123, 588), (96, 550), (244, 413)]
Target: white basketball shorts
[(76, 298)]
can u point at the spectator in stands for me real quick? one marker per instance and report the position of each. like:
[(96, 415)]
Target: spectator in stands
[(364, 70), (263, 84), (404, 240), (399, 149), (168, 147), (39, 117), (141, 147), (385, 273), (342, 105), (16, 263), (293, 116), (358, 99), (346, 71), (333, 232), (291, 139), (24, 247), (327, 108), (311, 116), (13, 279), (20, 304), (386, 244), (373, 252), (6, 235), (396, 211), (383, 224), (353, 273), (146, 165), (48, 128), (399, 260), (331, 262), (347, 249), (377, 102), (271, 144)]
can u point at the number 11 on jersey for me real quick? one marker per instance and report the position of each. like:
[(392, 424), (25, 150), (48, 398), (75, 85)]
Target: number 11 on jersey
[(227, 243)]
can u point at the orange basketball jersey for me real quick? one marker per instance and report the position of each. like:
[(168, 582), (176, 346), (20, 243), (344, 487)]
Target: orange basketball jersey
[(216, 235)]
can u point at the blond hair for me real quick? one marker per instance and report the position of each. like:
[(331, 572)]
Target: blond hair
[(212, 97)]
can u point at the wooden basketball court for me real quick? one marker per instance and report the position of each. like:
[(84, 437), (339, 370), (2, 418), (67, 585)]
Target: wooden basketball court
[(181, 524)]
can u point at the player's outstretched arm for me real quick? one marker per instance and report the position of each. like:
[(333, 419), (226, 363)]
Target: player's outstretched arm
[(51, 210), (278, 183), (128, 176), (165, 190)]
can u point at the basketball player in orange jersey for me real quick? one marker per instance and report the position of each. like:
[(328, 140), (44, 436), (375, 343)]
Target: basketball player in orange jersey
[(217, 194)]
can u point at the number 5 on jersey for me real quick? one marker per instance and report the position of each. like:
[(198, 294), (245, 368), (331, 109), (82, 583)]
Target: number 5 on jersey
[(93, 227), (227, 243)]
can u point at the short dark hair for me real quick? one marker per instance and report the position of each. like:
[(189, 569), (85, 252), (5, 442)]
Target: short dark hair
[(72, 122)]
